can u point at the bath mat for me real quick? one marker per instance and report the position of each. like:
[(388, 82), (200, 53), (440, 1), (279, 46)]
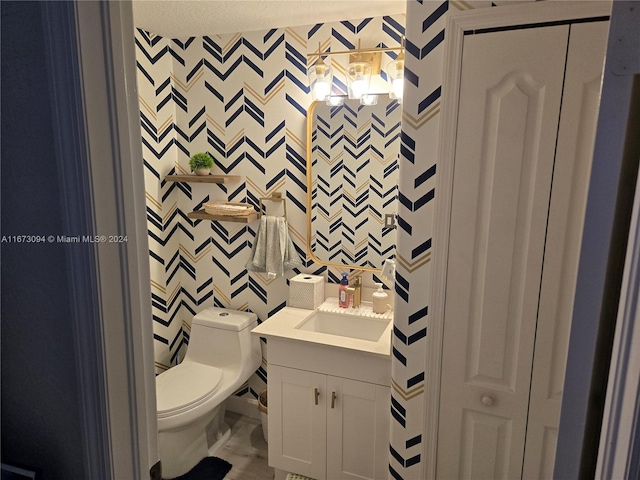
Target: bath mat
[(209, 468)]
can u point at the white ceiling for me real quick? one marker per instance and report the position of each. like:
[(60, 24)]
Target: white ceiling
[(193, 18)]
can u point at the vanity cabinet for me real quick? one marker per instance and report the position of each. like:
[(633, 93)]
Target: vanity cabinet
[(327, 427), (329, 392)]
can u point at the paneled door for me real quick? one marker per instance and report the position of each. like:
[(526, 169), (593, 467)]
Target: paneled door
[(516, 219), (576, 136), (509, 107)]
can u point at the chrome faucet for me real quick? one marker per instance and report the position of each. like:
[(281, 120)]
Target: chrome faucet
[(355, 291)]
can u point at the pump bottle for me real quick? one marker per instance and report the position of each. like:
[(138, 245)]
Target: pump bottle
[(343, 297), (380, 300)]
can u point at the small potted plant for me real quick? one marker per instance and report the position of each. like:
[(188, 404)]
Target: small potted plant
[(201, 163)]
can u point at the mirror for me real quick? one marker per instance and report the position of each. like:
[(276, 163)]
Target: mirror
[(352, 182)]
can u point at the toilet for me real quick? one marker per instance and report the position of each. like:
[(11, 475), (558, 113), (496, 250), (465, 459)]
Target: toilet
[(191, 397)]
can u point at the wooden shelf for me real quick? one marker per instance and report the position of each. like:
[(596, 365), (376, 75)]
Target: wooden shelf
[(202, 215), (203, 178)]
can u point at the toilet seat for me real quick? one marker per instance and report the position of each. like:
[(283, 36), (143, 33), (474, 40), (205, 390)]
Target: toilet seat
[(185, 386)]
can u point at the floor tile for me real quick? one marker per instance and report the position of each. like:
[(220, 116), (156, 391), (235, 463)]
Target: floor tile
[(246, 449)]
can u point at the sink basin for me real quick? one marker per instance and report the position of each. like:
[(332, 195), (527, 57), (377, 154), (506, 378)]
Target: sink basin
[(331, 341), (351, 326)]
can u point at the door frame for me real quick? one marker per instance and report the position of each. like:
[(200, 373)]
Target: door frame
[(619, 455), (92, 73), (606, 295), (458, 25)]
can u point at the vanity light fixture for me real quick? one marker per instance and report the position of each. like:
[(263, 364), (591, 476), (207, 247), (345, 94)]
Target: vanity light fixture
[(395, 76), (364, 64), (358, 79), (320, 78)]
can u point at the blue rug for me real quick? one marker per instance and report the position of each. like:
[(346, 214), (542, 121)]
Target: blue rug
[(209, 468)]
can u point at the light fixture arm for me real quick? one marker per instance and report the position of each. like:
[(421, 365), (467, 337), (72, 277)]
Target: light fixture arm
[(359, 50), (319, 62)]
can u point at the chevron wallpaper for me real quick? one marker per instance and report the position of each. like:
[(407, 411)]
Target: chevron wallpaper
[(355, 164), (244, 98)]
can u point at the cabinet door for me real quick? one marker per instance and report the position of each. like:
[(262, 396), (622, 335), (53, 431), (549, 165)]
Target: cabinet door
[(357, 430), (576, 137), (510, 95), (297, 421)]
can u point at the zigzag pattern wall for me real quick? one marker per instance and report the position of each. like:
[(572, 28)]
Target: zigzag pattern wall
[(419, 141), (244, 98), (426, 23)]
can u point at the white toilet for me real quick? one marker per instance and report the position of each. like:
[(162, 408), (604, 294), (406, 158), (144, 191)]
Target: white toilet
[(221, 356)]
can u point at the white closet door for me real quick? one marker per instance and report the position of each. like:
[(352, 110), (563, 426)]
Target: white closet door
[(576, 136), (511, 86)]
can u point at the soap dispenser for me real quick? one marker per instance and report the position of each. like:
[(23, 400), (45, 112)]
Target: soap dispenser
[(380, 299), (343, 297)]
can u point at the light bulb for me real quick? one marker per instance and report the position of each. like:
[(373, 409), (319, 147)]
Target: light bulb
[(334, 100), (395, 75), (359, 87), (369, 100), (397, 87), (321, 90), (320, 80), (358, 78)]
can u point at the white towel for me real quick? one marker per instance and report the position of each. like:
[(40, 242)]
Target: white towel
[(273, 251)]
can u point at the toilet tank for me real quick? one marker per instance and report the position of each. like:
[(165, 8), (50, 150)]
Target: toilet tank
[(222, 337)]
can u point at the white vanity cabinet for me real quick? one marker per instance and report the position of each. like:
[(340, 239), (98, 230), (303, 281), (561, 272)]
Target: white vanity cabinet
[(329, 393), (327, 427)]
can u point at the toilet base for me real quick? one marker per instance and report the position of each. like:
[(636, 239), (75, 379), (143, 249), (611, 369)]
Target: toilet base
[(181, 450), (218, 432)]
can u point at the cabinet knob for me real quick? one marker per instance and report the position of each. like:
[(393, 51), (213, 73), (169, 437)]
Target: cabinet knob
[(487, 401), (316, 394), (333, 399)]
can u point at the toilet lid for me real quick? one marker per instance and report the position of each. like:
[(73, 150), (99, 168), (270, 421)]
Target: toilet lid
[(185, 386)]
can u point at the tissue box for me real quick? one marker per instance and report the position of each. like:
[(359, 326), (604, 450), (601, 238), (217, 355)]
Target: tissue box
[(306, 291)]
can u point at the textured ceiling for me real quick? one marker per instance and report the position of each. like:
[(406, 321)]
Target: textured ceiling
[(179, 19)]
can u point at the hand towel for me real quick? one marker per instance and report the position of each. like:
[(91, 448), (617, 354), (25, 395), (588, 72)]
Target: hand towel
[(273, 251)]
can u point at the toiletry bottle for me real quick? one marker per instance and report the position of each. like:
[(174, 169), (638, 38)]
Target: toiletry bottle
[(343, 298), (380, 299)]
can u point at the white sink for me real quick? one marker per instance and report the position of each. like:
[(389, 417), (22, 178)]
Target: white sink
[(349, 343), (351, 326), (329, 333)]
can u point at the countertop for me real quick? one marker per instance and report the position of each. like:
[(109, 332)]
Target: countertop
[(283, 325)]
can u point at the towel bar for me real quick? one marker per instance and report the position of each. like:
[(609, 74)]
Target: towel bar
[(275, 197)]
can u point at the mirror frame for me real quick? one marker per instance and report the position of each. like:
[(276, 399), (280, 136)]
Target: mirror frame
[(310, 252)]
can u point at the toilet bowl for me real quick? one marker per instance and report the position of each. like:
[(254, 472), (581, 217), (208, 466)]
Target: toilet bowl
[(190, 397)]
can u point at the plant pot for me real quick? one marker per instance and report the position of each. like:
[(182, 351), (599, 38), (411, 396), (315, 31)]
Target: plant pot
[(203, 171)]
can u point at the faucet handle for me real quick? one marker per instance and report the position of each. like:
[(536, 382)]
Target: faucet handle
[(357, 280)]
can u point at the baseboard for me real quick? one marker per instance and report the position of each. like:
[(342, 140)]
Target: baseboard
[(243, 406)]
